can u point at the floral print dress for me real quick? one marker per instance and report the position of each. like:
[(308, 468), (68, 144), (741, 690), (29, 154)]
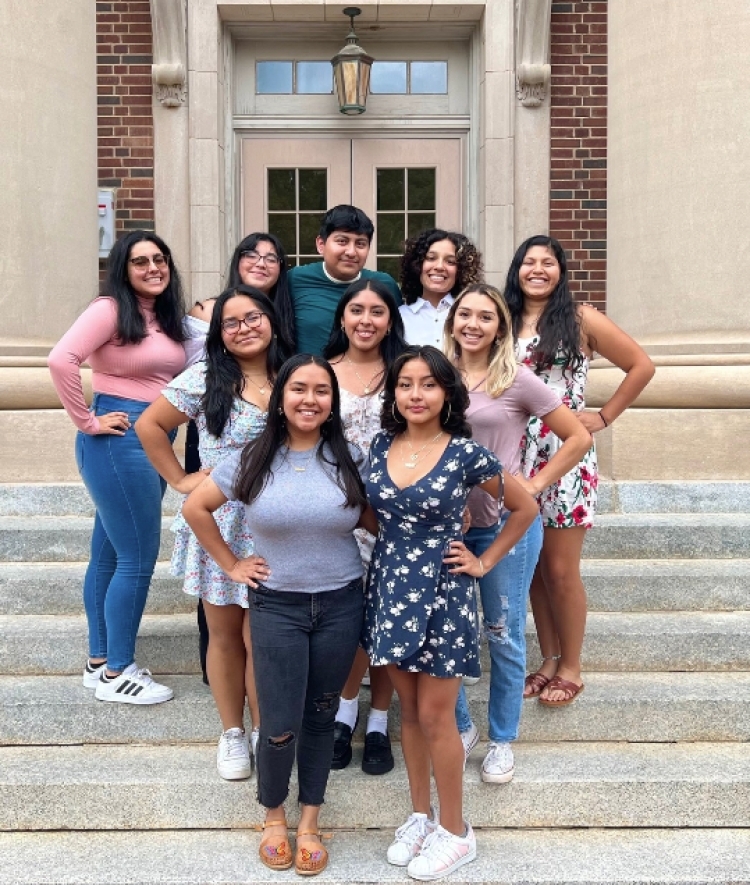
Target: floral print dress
[(202, 577), (571, 501), (417, 614)]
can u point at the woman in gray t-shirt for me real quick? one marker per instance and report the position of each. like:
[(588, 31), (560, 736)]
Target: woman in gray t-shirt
[(302, 486)]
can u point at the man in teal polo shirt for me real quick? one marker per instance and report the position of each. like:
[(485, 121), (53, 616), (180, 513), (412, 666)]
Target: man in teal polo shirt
[(344, 242)]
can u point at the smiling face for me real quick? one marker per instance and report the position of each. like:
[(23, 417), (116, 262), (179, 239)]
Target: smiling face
[(538, 275), (307, 400), (260, 266), (366, 320), (150, 279), (344, 253), (419, 398), (439, 271), (245, 343), (476, 323)]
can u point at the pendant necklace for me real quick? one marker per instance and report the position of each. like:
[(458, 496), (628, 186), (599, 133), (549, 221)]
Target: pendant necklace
[(261, 389), (411, 461), (367, 386), (306, 464), (533, 325)]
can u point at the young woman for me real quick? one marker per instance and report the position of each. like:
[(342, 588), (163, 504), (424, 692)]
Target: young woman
[(260, 261), (303, 497), (435, 267), (131, 336), (227, 396), (502, 398), (420, 613), (367, 336), (556, 338)]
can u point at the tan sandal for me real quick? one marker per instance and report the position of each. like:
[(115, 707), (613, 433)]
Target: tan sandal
[(309, 862), (275, 852)]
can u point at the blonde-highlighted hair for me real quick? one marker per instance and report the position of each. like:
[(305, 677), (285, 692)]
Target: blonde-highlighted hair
[(502, 367)]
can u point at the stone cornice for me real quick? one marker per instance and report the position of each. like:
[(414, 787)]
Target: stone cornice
[(169, 70)]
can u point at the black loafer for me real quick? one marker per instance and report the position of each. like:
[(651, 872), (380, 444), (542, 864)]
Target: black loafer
[(377, 757), (342, 745)]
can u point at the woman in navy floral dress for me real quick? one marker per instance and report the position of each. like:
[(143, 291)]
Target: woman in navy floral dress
[(420, 617)]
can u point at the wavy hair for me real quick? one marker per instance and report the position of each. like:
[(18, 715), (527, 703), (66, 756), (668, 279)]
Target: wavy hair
[(452, 420), (559, 325), (468, 269), (502, 365), (169, 307), (258, 455)]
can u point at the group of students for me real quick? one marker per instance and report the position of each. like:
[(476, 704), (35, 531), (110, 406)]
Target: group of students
[(342, 455)]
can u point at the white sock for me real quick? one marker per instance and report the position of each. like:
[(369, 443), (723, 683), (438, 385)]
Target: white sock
[(348, 710), (377, 721)]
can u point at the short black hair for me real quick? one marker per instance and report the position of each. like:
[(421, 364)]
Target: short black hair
[(346, 218)]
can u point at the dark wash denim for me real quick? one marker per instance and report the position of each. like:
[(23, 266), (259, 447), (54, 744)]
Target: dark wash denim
[(303, 649)]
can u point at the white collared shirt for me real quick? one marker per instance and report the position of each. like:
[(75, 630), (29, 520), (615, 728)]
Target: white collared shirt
[(423, 323)]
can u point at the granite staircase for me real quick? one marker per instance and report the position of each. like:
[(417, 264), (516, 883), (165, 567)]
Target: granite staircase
[(645, 779)]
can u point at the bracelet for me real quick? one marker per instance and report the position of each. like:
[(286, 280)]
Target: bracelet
[(481, 565), (604, 420)]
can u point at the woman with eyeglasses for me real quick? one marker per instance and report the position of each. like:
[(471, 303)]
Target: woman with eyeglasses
[(260, 261), (227, 396), (131, 336)]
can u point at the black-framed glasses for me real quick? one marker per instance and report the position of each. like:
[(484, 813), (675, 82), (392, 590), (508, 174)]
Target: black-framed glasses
[(144, 261), (255, 257), (252, 320)]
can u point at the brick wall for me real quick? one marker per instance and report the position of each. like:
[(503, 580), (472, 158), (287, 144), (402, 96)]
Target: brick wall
[(125, 122), (578, 180)]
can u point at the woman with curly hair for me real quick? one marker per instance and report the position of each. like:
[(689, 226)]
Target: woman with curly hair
[(435, 267), (556, 338)]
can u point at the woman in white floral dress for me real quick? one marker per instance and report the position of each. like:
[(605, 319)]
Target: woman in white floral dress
[(420, 608), (227, 397)]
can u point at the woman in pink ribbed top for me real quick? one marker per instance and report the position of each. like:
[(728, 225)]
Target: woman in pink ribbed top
[(131, 337)]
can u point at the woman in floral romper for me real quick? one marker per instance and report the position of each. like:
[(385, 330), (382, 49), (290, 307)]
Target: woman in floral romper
[(557, 339)]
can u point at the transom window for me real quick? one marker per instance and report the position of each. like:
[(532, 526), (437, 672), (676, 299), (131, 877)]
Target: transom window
[(386, 78), (409, 78)]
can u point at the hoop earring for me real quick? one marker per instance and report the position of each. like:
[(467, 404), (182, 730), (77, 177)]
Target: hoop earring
[(280, 411), (393, 412), (448, 416)]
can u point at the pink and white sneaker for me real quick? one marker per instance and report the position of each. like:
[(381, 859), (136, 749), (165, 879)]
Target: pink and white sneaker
[(409, 839), (442, 853)]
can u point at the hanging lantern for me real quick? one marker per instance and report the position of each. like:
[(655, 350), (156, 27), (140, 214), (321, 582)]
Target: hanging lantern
[(351, 71)]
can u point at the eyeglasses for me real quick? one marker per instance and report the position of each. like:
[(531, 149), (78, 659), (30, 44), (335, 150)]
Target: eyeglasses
[(251, 320), (255, 258), (143, 261)]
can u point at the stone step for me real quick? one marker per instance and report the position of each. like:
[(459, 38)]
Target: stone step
[(653, 641), (636, 707), (555, 785), (58, 499), (515, 857), (30, 588)]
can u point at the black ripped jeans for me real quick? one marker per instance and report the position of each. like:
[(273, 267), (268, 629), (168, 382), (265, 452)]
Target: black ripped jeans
[(303, 649)]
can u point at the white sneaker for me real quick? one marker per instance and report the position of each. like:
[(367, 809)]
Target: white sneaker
[(498, 765), (470, 680), (91, 674), (366, 678), (254, 738), (442, 853), (469, 739), (233, 755), (133, 686), (409, 839)]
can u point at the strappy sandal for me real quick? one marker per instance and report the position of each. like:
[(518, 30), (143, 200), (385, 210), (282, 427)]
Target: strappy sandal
[(571, 690), (276, 852), (537, 682), (307, 861)]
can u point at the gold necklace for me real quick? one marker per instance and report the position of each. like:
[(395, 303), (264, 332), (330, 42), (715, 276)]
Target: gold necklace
[(367, 387), (533, 324), (411, 461), (307, 463), (261, 389)]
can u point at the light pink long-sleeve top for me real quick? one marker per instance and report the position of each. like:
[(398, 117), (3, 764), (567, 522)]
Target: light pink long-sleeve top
[(132, 371)]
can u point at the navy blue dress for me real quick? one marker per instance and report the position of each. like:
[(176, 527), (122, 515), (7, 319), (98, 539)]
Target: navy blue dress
[(417, 614)]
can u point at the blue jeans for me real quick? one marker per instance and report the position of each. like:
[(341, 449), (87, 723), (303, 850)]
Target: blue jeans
[(127, 493), (303, 649), (504, 591)]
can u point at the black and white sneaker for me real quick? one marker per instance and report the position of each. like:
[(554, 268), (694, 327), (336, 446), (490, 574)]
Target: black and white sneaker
[(133, 686), (91, 674)]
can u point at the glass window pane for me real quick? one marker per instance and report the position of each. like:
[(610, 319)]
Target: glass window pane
[(281, 189), (390, 264), (273, 78), (429, 77), (390, 233), (314, 78), (285, 228), (391, 190), (309, 227), (421, 188), (419, 221), (313, 190), (388, 77)]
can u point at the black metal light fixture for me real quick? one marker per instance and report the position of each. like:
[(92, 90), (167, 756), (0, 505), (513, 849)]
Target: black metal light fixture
[(351, 71)]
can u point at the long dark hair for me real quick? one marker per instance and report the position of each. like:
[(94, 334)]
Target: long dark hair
[(257, 456), (468, 262), (169, 307), (559, 326), (453, 419), (394, 342), (224, 379), (280, 295)]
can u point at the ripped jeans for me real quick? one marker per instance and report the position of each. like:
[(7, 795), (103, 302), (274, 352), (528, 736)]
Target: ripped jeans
[(303, 649), (504, 591)]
